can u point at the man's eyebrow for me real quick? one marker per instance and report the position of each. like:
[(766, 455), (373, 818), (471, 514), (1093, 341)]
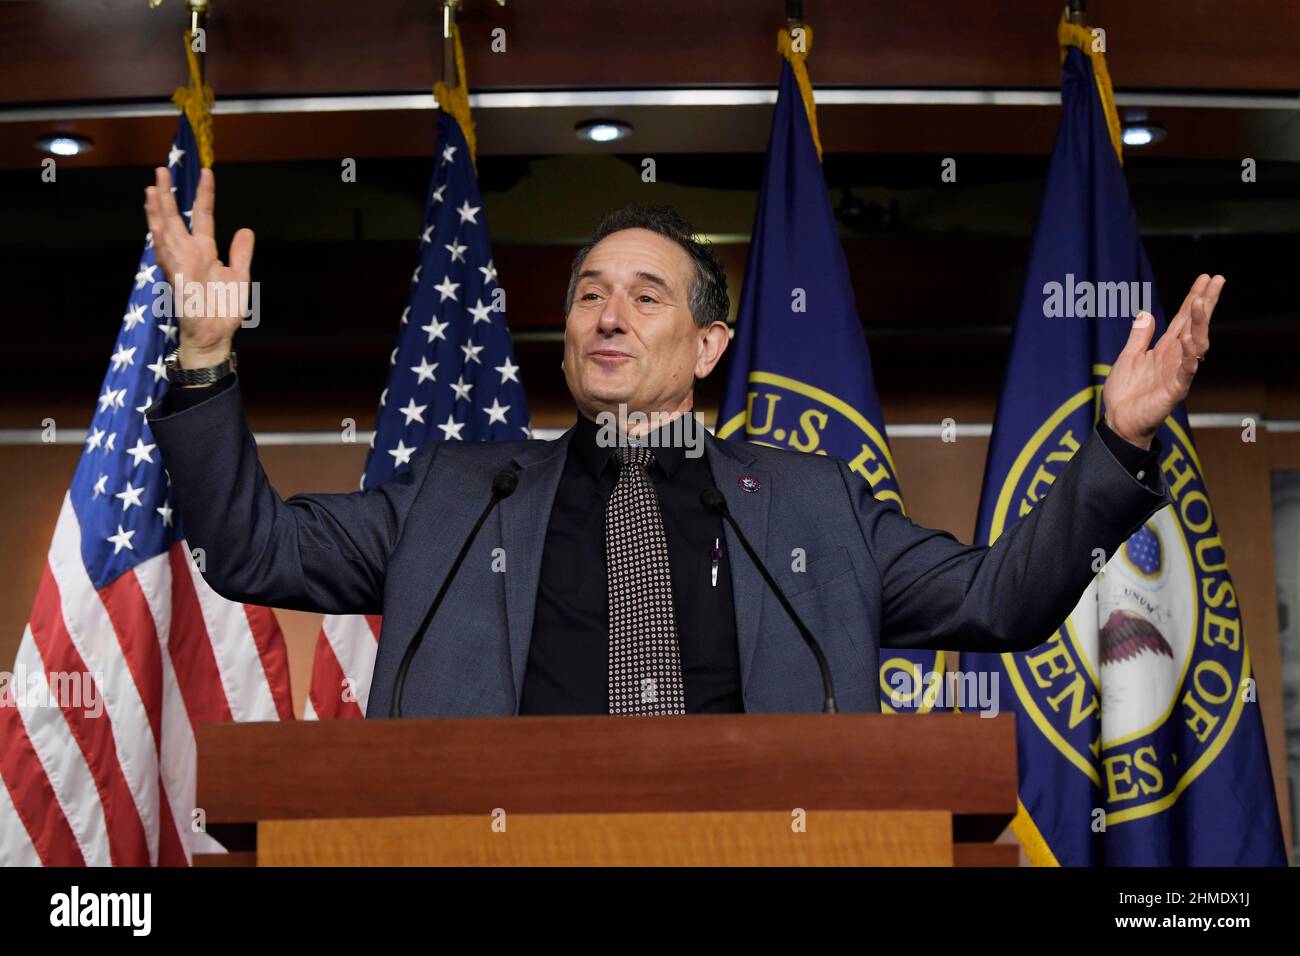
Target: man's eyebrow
[(643, 276), (654, 280)]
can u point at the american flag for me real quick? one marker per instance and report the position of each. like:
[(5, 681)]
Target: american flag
[(127, 649), (452, 377)]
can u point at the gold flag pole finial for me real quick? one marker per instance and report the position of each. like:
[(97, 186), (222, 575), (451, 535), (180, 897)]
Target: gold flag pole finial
[(195, 99)]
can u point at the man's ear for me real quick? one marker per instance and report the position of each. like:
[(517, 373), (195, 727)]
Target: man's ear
[(713, 342)]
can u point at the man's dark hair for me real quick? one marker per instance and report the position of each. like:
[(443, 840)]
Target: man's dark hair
[(707, 295)]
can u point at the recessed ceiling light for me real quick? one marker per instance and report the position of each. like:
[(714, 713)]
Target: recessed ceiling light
[(1139, 133), (602, 131), (64, 144)]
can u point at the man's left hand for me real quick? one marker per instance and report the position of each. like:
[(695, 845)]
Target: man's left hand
[(1146, 384)]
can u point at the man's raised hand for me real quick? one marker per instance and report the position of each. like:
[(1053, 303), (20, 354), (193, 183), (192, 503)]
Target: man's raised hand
[(191, 257), (1145, 385)]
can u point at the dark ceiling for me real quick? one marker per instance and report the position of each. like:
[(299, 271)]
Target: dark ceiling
[(1222, 76)]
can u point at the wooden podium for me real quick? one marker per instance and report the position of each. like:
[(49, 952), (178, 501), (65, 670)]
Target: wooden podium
[(726, 790)]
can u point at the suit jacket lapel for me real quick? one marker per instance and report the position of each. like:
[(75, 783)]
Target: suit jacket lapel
[(525, 516), (730, 461)]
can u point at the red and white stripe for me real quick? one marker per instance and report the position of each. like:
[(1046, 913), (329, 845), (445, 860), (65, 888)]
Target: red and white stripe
[(343, 667), (166, 653)]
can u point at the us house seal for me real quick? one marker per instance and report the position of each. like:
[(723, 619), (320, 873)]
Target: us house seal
[(1141, 687)]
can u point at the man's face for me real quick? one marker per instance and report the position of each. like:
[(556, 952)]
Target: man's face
[(629, 337)]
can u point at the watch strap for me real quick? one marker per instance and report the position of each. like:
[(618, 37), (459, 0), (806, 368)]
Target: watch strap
[(197, 376)]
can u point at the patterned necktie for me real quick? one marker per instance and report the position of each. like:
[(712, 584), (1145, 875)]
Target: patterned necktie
[(645, 664)]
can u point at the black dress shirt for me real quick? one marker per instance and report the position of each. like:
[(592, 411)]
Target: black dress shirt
[(568, 659)]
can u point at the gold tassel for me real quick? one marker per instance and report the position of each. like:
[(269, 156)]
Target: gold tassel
[(1072, 34), (1035, 847), (456, 100), (195, 101), (785, 46)]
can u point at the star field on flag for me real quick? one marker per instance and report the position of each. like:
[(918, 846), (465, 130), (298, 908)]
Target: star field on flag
[(452, 376)]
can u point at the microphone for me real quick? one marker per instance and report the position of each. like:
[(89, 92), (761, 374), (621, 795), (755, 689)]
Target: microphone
[(714, 502), (503, 486)]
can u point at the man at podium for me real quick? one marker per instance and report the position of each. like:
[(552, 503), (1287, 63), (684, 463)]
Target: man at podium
[(641, 569)]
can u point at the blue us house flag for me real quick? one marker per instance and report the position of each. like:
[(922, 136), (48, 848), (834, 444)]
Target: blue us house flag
[(1140, 741), (452, 376), (800, 375)]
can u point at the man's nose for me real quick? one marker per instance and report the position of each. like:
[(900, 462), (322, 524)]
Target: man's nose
[(612, 316)]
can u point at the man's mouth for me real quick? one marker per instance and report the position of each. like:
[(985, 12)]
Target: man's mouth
[(608, 355)]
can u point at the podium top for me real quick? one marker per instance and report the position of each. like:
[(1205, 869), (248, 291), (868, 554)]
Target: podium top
[(372, 768)]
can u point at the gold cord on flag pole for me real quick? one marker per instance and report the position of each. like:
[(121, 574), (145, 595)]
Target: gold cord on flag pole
[(1070, 34), (455, 99), (785, 45), (196, 100)]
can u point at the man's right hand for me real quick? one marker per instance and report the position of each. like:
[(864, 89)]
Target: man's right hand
[(190, 256)]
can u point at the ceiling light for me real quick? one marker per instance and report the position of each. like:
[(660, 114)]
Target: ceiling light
[(1142, 133), (602, 131), (64, 144)]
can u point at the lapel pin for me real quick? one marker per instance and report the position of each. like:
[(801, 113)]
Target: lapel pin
[(749, 483)]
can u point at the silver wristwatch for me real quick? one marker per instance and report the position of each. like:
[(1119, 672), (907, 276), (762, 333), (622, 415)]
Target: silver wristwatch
[(197, 376)]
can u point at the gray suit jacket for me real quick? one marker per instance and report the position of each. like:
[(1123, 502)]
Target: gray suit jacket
[(872, 576)]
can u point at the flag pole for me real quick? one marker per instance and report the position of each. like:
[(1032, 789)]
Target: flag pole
[(198, 19), (452, 92), (796, 52), (1071, 32), (449, 10), (195, 100), (198, 10)]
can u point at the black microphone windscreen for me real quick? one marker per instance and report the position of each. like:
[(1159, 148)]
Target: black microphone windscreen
[(504, 484), (713, 501)]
